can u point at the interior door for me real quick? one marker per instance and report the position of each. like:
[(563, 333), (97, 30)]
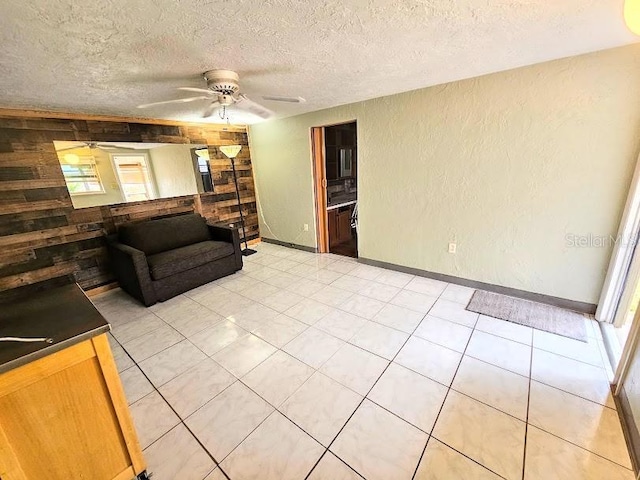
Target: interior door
[(320, 182)]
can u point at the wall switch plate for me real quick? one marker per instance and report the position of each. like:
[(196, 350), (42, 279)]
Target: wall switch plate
[(306, 227), (452, 248)]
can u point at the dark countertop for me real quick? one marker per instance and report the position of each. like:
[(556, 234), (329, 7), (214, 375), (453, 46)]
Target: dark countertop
[(340, 200), (64, 314)]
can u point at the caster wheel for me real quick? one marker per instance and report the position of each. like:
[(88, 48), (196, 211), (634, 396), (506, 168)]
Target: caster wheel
[(144, 476)]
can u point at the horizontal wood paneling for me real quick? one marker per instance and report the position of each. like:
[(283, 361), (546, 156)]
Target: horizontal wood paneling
[(45, 242)]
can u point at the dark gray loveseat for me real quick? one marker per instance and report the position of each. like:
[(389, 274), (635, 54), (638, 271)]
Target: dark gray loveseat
[(155, 260)]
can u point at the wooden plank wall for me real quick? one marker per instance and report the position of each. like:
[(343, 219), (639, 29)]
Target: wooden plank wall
[(45, 242)]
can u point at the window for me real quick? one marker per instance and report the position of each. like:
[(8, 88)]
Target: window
[(346, 156), (134, 177), (203, 165), (82, 177), (202, 158)]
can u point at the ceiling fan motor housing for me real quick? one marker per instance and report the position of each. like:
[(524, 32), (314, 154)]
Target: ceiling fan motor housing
[(224, 82)]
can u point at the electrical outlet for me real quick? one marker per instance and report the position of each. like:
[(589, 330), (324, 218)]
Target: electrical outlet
[(305, 227), (452, 248)]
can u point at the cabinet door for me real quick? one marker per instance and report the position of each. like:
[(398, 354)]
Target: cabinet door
[(65, 416), (344, 225), (333, 228)]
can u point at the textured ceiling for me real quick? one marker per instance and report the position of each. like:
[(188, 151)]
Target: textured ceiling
[(107, 56)]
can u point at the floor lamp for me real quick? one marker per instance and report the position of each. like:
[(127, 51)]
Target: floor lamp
[(232, 151)]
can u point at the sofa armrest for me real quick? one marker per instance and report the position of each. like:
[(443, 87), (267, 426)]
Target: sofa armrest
[(132, 271), (227, 234)]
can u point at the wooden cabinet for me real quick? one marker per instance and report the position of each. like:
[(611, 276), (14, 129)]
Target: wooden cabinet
[(344, 225), (64, 416), (332, 222), (339, 222)]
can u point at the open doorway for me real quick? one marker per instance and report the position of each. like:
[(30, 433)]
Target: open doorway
[(335, 157)]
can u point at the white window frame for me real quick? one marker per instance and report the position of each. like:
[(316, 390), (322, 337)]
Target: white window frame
[(152, 185), (84, 160)]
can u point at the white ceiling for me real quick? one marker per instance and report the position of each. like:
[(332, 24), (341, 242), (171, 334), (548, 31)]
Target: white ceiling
[(107, 56)]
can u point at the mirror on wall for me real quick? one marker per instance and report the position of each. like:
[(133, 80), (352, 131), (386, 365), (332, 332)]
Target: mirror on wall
[(107, 173)]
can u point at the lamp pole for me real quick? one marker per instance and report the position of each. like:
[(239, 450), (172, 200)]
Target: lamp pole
[(231, 151)]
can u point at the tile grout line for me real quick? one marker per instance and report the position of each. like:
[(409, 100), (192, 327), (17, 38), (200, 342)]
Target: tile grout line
[(531, 380), (327, 449), (181, 420), (571, 358), (583, 448), (415, 472), (526, 423), (237, 379), (276, 409), (159, 351), (463, 354), (348, 342), (364, 397), (336, 307), (389, 363), (517, 373)]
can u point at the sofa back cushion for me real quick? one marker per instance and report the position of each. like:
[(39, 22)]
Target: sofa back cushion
[(155, 236)]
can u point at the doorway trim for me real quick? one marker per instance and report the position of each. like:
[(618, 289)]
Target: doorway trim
[(621, 281), (621, 269), (320, 182), (320, 188), (628, 352)]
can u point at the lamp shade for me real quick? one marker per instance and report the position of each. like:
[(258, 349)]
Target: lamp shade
[(632, 15), (231, 151), (203, 153)]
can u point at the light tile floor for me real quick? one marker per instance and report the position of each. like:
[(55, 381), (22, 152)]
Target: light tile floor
[(315, 366)]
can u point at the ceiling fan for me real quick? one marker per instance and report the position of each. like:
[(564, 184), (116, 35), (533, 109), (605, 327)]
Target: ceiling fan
[(91, 145), (223, 90)]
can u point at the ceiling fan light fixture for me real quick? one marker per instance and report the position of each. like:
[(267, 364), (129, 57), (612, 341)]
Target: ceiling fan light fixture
[(71, 158), (222, 81), (222, 92), (632, 15)]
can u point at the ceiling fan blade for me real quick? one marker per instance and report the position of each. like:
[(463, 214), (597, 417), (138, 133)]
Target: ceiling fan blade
[(244, 103), (197, 90), (278, 98), (210, 109), (81, 145), (179, 100), (109, 148)]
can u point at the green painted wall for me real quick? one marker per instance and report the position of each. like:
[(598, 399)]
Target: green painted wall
[(507, 165)]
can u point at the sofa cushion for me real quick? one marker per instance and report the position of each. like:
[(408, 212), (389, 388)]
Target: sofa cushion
[(155, 236), (165, 264)]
